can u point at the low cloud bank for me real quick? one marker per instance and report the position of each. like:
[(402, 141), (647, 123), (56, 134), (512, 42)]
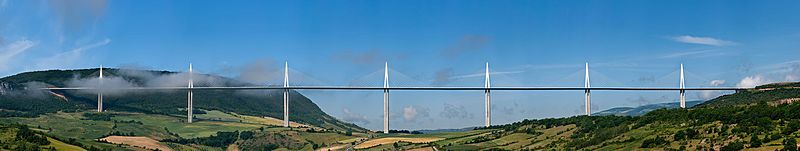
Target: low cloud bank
[(121, 81)]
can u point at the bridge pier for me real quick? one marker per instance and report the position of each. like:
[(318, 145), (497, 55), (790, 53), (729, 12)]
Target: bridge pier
[(683, 98), (682, 91), (189, 108), (386, 98), (99, 91), (189, 97), (385, 111), (588, 102), (488, 98), (286, 95), (100, 102)]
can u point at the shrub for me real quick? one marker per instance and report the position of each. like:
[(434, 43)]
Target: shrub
[(654, 142)]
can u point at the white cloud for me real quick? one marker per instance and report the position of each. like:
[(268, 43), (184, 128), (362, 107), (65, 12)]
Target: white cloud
[(466, 45), (552, 66), (706, 95), (793, 72), (68, 58), (455, 112), (107, 85), (12, 50), (409, 113), (702, 40), (615, 64), (412, 113), (716, 82), (792, 78), (780, 72), (508, 110), (484, 74), (753, 81), (353, 117), (699, 53)]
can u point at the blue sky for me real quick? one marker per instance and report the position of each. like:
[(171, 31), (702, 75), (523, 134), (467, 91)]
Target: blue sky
[(427, 43)]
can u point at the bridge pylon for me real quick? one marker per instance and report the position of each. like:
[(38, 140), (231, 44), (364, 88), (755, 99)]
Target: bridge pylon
[(588, 93), (682, 91)]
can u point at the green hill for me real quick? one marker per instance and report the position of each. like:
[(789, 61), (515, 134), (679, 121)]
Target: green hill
[(644, 109), (20, 96), (764, 118), (764, 93)]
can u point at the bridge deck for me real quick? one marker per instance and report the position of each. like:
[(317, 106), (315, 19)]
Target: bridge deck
[(409, 88)]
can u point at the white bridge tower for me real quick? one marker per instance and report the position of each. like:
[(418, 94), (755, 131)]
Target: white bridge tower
[(99, 91), (488, 98), (683, 91), (386, 98), (286, 95), (189, 97), (588, 93)]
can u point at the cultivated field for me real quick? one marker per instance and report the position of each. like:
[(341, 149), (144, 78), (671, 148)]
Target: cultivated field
[(62, 146), (137, 141), (215, 115), (148, 129), (390, 140)]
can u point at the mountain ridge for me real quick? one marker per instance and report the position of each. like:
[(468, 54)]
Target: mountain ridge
[(644, 109), (20, 95)]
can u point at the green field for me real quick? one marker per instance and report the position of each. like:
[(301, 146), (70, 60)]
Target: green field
[(61, 146), (78, 126)]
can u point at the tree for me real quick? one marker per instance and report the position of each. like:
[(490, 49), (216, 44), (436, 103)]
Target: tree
[(691, 134), (680, 135), (653, 142), (789, 144), (27, 135), (733, 146), (245, 135), (791, 127), (754, 141)]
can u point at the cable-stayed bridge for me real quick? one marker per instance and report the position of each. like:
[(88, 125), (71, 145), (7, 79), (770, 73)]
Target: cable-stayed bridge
[(487, 88)]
